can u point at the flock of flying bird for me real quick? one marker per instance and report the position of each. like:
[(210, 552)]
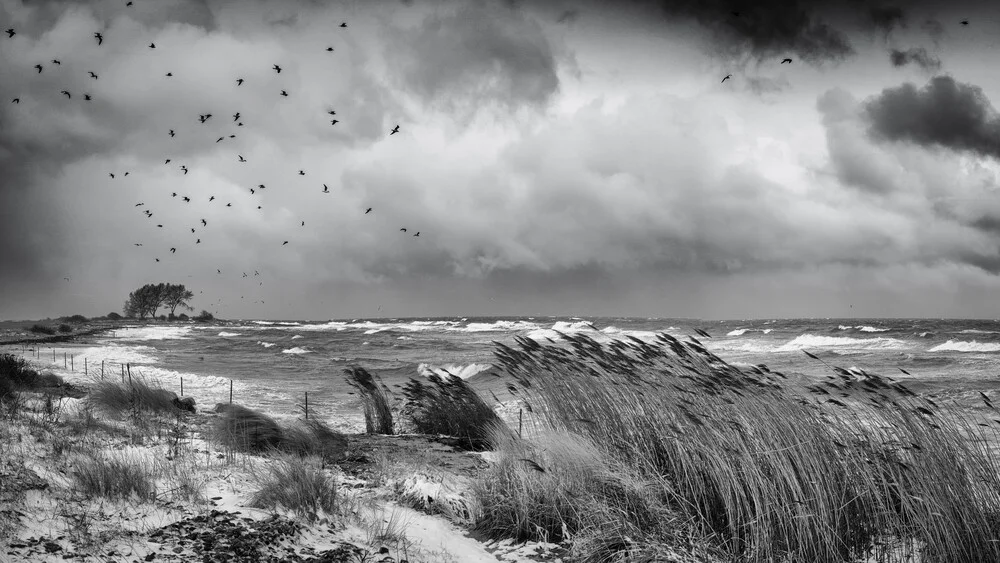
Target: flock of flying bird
[(99, 37)]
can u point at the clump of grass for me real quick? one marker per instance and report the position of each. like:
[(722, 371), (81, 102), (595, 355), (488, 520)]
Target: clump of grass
[(65, 328), (374, 397), (246, 430), (42, 329), (114, 477), (76, 319), (16, 375), (449, 406), (768, 470), (298, 484), (135, 396)]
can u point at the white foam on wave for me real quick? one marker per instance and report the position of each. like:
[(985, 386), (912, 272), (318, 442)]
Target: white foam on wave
[(737, 332), (963, 346), (405, 338), (767, 330), (498, 326), (266, 344), (224, 334), (871, 329), (153, 333), (605, 335), (813, 341), (977, 331), (296, 350), (114, 354), (463, 371), (296, 336)]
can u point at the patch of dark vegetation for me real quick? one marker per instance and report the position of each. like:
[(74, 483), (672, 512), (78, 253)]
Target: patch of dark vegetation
[(65, 328), (246, 430), (17, 375), (41, 329), (374, 398), (449, 406)]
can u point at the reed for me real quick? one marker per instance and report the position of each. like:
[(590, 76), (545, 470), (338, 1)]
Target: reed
[(374, 398), (449, 406), (854, 467)]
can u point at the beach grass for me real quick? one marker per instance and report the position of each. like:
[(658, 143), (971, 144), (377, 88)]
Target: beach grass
[(136, 395), (761, 469), (246, 430), (449, 406), (114, 476), (374, 399), (296, 483)]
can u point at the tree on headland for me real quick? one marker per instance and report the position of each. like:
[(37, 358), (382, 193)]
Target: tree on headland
[(145, 301), (178, 296)]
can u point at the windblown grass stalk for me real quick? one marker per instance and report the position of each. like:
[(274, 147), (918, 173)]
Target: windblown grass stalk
[(448, 406), (298, 484), (113, 476), (374, 397), (762, 467), (135, 396), (247, 430)]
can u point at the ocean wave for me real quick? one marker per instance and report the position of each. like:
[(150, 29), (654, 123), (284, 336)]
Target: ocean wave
[(607, 334), (963, 346), (153, 333), (296, 336), (977, 331), (224, 333), (266, 344), (863, 328), (296, 350), (463, 371), (812, 341), (737, 332), (498, 326), (114, 354)]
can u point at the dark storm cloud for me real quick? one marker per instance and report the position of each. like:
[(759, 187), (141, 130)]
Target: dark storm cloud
[(944, 113), (476, 54), (917, 56), (885, 18)]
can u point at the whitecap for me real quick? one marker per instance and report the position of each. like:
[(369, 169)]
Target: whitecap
[(296, 350), (963, 346)]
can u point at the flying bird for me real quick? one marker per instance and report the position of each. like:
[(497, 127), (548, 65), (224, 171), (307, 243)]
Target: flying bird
[(184, 168), (236, 116), (204, 223), (99, 37), (126, 174), (138, 204), (394, 130), (277, 69), (284, 93), (160, 226), (204, 118), (174, 194), (192, 231), (39, 67), (170, 74), (252, 192), (302, 172), (168, 162), (92, 74), (171, 132), (157, 259), (211, 198), (187, 199), (403, 229), (261, 186), (334, 122), (111, 174), (331, 112), (418, 234), (329, 49), (56, 62), (152, 45), (369, 210), (87, 97), (138, 244), (219, 140), (67, 94), (303, 223), (964, 22), (229, 205), (786, 61), (241, 158), (284, 243), (16, 101), (239, 81), (10, 33), (198, 241), (728, 76), (174, 250), (326, 190), (343, 24)]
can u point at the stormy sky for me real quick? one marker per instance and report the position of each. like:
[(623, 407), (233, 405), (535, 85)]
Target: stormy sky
[(558, 157)]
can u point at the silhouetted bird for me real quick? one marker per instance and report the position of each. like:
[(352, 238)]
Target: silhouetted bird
[(326, 190), (174, 194), (261, 186), (229, 205), (157, 259), (329, 49), (334, 122), (86, 97), (99, 37), (220, 271), (171, 132), (138, 244), (138, 204), (126, 174), (965, 22), (239, 81), (170, 74), (184, 168), (241, 158), (302, 172), (128, 4), (303, 223), (786, 61), (219, 140), (192, 231), (277, 69), (56, 62), (284, 243), (39, 67), (236, 116), (152, 45), (160, 226), (258, 207), (403, 229), (252, 192), (10, 33), (418, 234), (168, 162), (111, 174), (174, 250), (369, 210), (92, 75), (16, 101), (204, 223), (211, 198), (343, 24), (204, 118), (198, 241), (284, 93), (728, 76), (331, 112), (394, 130), (187, 199), (67, 94)]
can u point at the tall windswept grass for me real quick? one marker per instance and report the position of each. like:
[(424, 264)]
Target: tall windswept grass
[(374, 397), (242, 429), (768, 470), (113, 476), (450, 407), (135, 396)]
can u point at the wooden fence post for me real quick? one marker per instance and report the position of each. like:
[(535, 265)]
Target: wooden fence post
[(230, 391), (307, 405)]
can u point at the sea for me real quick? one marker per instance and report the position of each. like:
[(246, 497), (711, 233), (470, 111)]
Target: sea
[(271, 365)]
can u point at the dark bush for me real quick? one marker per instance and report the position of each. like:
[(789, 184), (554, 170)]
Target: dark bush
[(204, 316), (65, 328), (182, 317), (42, 329), (77, 319), (449, 406), (114, 316)]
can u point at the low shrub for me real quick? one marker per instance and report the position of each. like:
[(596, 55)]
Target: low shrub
[(65, 328), (42, 329), (204, 316), (77, 319), (133, 396), (113, 316), (114, 477), (298, 484), (246, 430), (449, 406)]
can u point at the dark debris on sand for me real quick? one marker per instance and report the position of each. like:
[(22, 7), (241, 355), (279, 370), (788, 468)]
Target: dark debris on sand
[(229, 537)]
